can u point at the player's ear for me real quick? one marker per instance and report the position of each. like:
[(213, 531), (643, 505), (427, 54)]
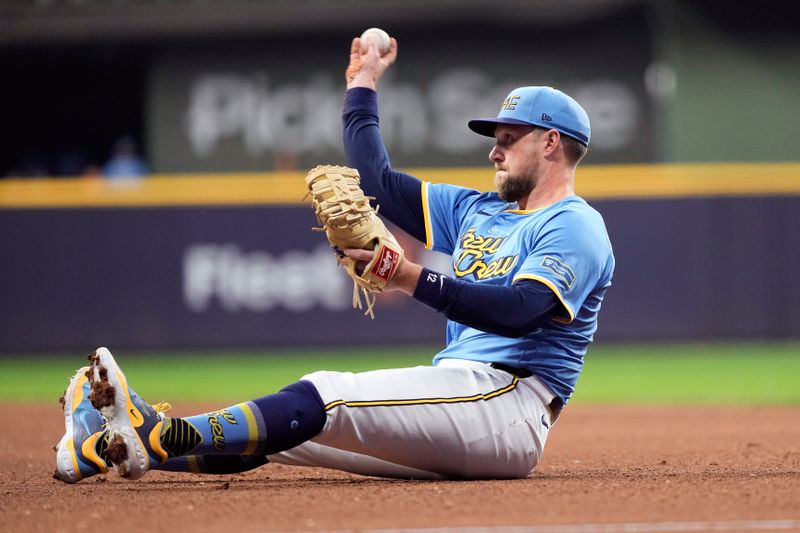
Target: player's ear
[(552, 141)]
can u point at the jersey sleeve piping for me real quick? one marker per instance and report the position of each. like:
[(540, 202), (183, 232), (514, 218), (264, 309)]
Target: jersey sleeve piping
[(427, 217), (549, 284)]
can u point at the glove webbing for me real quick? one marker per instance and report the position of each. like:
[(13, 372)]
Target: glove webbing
[(369, 297)]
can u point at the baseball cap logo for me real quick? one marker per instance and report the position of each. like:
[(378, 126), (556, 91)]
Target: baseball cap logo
[(510, 103), (547, 117)]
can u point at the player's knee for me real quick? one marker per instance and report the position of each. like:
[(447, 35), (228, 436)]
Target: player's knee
[(292, 416)]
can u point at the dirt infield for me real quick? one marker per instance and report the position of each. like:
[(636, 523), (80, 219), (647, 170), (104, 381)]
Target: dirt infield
[(601, 465)]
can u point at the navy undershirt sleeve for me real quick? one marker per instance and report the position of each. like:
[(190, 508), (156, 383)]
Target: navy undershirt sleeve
[(515, 311), (399, 195)]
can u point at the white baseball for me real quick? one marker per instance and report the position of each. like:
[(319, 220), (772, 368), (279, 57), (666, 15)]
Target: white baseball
[(377, 36)]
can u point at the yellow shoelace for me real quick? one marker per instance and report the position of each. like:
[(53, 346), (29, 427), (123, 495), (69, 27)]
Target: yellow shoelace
[(162, 407)]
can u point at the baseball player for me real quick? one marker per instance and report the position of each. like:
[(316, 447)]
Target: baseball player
[(531, 264)]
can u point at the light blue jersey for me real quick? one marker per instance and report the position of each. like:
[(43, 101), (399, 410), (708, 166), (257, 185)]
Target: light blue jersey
[(565, 246)]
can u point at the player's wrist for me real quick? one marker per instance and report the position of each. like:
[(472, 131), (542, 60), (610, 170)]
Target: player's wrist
[(431, 291), (407, 277), (362, 79)]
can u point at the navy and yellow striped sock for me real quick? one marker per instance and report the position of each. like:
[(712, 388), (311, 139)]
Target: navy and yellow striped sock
[(267, 425), (235, 430)]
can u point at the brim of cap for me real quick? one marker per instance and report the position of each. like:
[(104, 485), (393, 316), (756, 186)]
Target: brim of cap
[(486, 126)]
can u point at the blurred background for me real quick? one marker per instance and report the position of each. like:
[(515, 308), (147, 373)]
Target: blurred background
[(153, 152)]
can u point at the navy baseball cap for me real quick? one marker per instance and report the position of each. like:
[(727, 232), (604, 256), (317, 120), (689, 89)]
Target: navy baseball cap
[(539, 106)]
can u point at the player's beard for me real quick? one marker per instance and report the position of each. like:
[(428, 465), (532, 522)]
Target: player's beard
[(512, 188)]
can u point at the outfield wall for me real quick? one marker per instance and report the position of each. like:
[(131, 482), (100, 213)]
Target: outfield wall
[(703, 252)]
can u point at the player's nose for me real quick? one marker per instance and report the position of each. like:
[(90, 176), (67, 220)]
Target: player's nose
[(496, 155)]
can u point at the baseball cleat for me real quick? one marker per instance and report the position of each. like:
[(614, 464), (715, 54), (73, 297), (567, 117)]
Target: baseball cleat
[(78, 453), (134, 427)]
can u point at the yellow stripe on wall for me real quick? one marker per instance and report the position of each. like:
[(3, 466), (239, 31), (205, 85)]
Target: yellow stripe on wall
[(687, 181), (158, 190), (288, 188)]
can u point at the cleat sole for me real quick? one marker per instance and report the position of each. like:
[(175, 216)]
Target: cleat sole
[(126, 451), (117, 451), (102, 394)]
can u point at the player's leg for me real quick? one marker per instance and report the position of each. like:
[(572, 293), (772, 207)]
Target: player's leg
[(461, 419), (85, 442), (464, 420), (139, 438), (81, 452)]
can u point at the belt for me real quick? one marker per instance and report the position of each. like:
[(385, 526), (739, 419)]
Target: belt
[(555, 406), (519, 372)]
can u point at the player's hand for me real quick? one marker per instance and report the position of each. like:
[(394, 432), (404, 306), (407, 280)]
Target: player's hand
[(366, 67), (405, 279)]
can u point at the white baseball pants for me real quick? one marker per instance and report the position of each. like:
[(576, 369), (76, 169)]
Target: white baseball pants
[(460, 419)]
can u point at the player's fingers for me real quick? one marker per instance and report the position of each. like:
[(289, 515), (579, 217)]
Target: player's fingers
[(372, 53), (391, 55), (360, 255), (355, 60), (355, 49)]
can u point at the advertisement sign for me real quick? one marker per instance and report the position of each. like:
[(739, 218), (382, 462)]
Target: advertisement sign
[(262, 105), (187, 278)]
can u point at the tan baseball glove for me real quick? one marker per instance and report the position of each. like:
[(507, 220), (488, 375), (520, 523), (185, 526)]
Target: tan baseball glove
[(350, 222)]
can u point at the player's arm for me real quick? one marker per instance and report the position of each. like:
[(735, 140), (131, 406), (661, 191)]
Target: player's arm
[(511, 311), (399, 195)]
